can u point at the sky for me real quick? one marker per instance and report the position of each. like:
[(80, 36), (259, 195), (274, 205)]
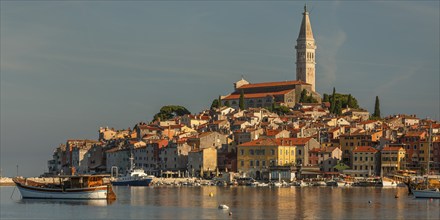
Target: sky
[(70, 67)]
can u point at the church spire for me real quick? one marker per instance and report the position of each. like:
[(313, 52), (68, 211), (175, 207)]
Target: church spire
[(305, 52), (305, 31)]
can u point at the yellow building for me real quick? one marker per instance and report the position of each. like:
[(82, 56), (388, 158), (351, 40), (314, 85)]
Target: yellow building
[(392, 159), (256, 156), (348, 142)]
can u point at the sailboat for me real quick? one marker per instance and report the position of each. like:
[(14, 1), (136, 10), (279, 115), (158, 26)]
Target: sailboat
[(427, 192)]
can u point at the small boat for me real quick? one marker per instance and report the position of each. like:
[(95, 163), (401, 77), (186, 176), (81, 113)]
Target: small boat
[(68, 187), (427, 193), (299, 183), (223, 206), (136, 177), (388, 182)]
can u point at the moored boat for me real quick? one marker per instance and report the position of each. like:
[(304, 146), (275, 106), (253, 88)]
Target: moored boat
[(136, 177), (68, 187), (427, 193)]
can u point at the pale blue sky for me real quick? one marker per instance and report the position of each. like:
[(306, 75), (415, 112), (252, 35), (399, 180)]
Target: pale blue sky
[(69, 67)]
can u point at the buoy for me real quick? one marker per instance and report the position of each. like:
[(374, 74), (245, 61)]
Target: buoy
[(211, 194), (230, 213), (369, 201), (396, 196)]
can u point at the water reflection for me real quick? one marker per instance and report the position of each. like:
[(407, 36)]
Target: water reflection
[(72, 202), (244, 203)]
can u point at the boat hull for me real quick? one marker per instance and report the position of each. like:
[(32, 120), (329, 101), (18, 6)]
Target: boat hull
[(143, 182), (435, 194), (29, 192)]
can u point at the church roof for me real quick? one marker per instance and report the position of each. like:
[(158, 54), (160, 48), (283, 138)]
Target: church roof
[(273, 84), (306, 28), (256, 95)]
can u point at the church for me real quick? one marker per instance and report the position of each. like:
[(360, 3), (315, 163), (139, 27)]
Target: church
[(285, 93)]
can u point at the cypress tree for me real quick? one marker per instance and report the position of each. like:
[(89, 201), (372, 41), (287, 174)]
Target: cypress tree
[(325, 98), (333, 101), (376, 113), (349, 101), (303, 97), (219, 102), (241, 101)]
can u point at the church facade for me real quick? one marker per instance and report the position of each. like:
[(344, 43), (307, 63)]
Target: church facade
[(286, 93)]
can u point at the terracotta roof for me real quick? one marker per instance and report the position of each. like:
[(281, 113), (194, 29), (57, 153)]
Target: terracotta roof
[(367, 149), (315, 150), (260, 142), (273, 84), (414, 134), (272, 132), (256, 95), (391, 148), (292, 141)]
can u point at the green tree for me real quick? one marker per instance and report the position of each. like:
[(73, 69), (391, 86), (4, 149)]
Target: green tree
[(349, 101), (281, 109), (326, 98), (333, 101), (170, 111), (303, 96), (338, 107), (241, 101), (219, 101), (214, 104), (376, 113), (227, 103)]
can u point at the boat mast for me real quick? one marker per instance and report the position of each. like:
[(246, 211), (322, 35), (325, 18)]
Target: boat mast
[(429, 146), (131, 160)]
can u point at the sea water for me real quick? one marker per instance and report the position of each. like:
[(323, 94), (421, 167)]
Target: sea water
[(244, 203)]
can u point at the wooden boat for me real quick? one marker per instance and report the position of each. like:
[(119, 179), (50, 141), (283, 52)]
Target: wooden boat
[(68, 187)]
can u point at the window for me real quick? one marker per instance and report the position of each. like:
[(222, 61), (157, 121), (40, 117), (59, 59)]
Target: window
[(355, 158), (251, 152), (263, 162), (292, 152), (251, 163), (281, 152), (257, 163), (299, 152), (242, 152), (242, 163), (273, 152), (366, 158)]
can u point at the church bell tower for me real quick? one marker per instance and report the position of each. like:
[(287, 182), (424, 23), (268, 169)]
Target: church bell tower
[(305, 52)]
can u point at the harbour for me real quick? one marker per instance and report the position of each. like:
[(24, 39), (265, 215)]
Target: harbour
[(185, 202)]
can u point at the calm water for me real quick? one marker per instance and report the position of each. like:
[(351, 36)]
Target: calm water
[(245, 203)]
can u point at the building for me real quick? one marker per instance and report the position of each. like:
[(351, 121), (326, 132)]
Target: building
[(325, 158), (174, 157), (366, 161), (255, 157), (349, 141), (202, 162), (392, 159), (285, 93)]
